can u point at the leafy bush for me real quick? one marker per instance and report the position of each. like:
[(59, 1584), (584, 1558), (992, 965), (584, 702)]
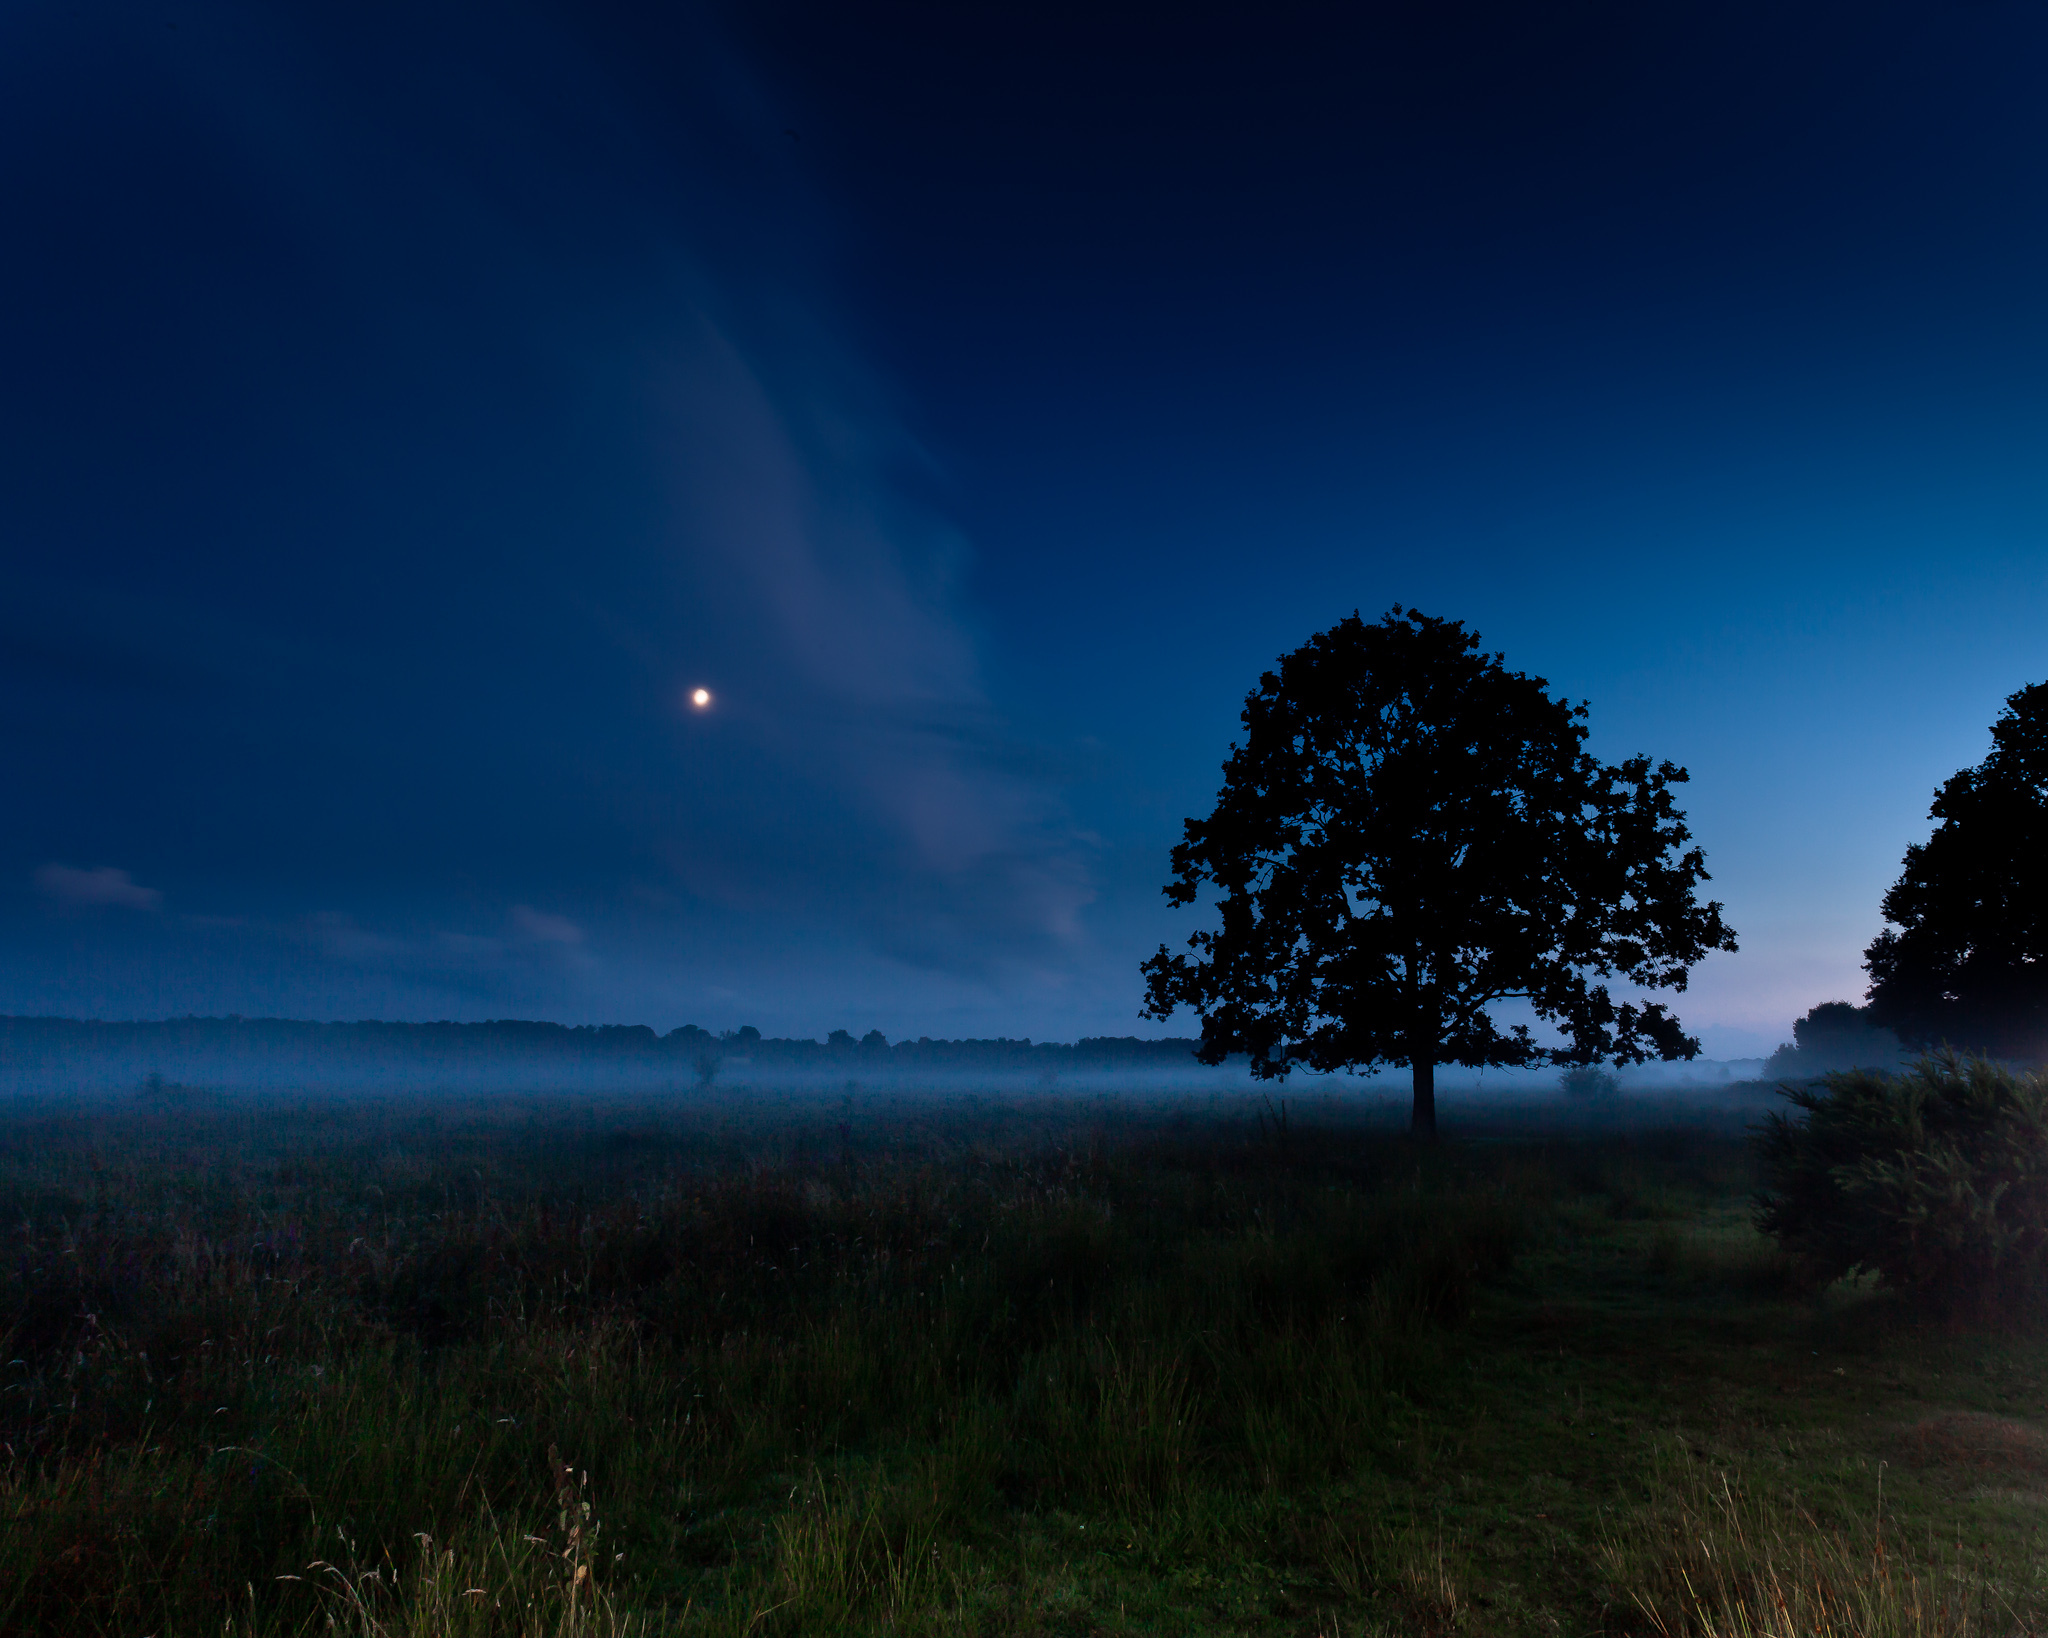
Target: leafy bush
[(1934, 1179), (1589, 1083)]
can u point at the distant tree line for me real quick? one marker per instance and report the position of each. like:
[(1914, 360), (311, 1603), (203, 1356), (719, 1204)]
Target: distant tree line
[(373, 1044)]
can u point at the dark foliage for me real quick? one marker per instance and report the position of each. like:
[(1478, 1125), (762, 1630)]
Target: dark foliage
[(1410, 834), (1965, 961), (1936, 1180), (1833, 1036)]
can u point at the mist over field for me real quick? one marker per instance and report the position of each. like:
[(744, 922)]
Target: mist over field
[(181, 1059)]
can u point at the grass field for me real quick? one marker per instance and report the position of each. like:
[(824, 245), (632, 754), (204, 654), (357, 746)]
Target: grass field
[(747, 1366)]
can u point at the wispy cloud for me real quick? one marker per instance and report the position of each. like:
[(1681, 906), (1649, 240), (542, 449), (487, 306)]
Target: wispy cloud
[(538, 927), (860, 676), (693, 481), (534, 953), (103, 885)]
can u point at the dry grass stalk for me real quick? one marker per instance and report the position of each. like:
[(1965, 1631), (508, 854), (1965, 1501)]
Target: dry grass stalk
[(1723, 1564)]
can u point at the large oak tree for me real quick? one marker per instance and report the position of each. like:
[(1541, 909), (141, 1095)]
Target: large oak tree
[(1965, 960), (1410, 836)]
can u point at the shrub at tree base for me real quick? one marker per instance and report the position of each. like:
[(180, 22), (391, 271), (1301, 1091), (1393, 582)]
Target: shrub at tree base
[(1935, 1179)]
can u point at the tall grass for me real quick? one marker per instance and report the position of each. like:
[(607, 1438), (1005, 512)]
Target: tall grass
[(1714, 1559), (485, 1583), (288, 1367)]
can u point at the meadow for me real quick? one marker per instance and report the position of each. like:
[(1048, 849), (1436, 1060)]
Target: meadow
[(744, 1364)]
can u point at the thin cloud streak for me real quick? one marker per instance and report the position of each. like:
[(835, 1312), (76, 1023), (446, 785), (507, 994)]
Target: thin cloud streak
[(862, 680), (102, 886)]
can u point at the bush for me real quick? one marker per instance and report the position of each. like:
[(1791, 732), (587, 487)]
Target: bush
[(1589, 1083), (1934, 1179)]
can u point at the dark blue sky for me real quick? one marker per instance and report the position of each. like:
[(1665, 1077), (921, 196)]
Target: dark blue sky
[(406, 406)]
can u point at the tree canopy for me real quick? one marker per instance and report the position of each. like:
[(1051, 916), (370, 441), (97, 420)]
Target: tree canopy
[(1835, 1035), (1410, 835), (1965, 959)]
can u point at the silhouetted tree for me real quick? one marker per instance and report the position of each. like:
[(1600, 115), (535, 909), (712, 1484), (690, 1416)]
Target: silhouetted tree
[(1965, 961), (1412, 834), (1835, 1035)]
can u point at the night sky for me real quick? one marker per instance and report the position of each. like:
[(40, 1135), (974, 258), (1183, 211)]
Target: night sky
[(407, 406)]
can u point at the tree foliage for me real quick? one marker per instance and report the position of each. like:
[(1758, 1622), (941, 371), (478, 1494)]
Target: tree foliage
[(1936, 1180), (1965, 960), (1412, 834), (1833, 1035)]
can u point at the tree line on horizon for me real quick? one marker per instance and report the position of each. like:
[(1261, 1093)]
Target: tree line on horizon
[(30, 1042)]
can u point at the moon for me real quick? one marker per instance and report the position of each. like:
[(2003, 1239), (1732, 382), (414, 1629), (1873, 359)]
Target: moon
[(700, 697)]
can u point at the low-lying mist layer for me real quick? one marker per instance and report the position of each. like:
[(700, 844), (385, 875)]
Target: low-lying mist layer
[(83, 1055), (41, 1056)]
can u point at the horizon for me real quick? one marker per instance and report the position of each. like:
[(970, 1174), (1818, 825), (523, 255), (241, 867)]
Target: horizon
[(424, 1061)]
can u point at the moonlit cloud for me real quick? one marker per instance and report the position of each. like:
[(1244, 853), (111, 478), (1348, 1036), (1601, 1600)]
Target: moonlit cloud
[(864, 679), (743, 727), (104, 885)]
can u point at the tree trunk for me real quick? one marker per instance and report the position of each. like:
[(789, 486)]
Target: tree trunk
[(1422, 1124)]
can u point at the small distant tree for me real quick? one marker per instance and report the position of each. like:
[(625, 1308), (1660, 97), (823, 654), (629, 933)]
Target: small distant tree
[(1412, 834), (703, 1049), (1965, 959), (1588, 1083)]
